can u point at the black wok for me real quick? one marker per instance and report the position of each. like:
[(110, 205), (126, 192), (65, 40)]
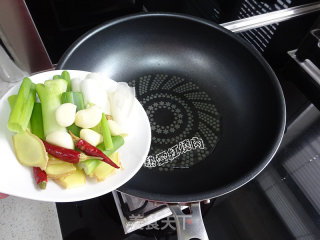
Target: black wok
[(195, 79)]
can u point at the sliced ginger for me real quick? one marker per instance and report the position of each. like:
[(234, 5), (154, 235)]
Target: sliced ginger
[(58, 169), (104, 169), (75, 179), (30, 150)]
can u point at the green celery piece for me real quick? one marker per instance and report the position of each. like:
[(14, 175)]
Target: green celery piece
[(90, 165), (36, 121), (22, 110), (66, 76), (12, 100), (106, 133), (77, 99), (55, 77), (50, 97)]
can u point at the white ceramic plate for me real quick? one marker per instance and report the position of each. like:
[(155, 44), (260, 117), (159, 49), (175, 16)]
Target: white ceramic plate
[(18, 180)]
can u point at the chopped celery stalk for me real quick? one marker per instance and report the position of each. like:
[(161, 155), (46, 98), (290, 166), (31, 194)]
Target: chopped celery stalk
[(36, 121), (106, 133), (66, 76), (77, 99), (50, 98), (55, 77), (22, 110), (90, 165), (12, 100)]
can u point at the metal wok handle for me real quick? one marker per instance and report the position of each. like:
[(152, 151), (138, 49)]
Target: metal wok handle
[(189, 226)]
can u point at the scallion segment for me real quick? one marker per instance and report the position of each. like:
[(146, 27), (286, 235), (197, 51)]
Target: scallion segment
[(23, 106), (66, 76), (106, 133), (12, 100), (50, 98), (36, 121), (90, 165)]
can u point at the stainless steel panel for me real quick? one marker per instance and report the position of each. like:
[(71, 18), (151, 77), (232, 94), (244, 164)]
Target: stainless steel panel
[(19, 34)]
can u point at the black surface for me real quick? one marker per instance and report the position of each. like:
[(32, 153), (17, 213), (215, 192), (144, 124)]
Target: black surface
[(61, 22), (244, 88), (96, 218), (244, 214)]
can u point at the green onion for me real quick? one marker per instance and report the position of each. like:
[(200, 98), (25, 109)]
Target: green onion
[(117, 142), (90, 165), (97, 128), (77, 99), (66, 76), (73, 97), (55, 77), (22, 110), (12, 100), (106, 133), (50, 97), (36, 121)]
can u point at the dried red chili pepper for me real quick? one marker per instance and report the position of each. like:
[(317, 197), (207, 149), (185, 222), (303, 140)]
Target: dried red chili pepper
[(90, 150), (67, 155), (41, 177)]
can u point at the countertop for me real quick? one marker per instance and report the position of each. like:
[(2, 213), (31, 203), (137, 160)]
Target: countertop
[(28, 219)]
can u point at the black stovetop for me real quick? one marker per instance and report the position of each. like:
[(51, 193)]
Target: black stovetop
[(228, 218)]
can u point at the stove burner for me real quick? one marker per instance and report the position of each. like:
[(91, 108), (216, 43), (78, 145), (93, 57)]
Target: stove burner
[(179, 111), (147, 218)]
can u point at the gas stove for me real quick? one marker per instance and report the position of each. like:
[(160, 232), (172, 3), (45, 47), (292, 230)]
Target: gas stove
[(140, 214)]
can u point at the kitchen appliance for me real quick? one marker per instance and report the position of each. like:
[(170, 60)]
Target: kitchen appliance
[(281, 203)]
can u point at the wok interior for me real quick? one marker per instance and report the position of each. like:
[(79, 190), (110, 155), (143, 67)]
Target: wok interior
[(241, 85)]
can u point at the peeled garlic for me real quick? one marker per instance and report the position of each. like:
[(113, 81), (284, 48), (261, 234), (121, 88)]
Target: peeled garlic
[(91, 136), (115, 129), (60, 138), (65, 114), (88, 118)]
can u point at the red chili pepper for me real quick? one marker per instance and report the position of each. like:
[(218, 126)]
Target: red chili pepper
[(41, 177), (90, 150), (65, 154)]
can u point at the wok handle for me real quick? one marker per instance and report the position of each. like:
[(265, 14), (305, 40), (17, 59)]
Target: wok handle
[(189, 226), (304, 64)]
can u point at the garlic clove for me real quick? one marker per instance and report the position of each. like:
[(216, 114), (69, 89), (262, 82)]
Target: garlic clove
[(65, 114), (91, 136), (60, 138)]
